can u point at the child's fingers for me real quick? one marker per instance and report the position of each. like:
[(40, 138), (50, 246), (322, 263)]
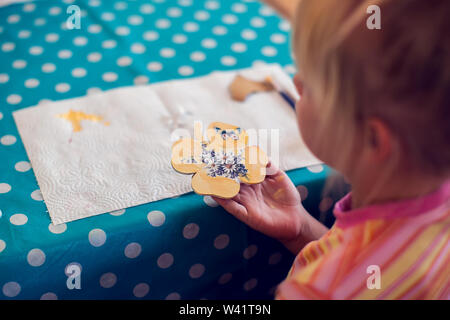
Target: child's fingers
[(272, 169), (233, 207)]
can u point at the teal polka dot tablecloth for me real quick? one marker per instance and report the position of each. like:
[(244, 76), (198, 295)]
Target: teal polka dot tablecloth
[(181, 248)]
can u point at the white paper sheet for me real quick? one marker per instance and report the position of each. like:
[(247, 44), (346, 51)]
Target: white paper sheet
[(126, 162)]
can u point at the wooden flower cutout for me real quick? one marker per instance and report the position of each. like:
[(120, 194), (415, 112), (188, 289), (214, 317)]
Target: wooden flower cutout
[(221, 161)]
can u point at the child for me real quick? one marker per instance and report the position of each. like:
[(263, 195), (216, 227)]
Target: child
[(376, 107)]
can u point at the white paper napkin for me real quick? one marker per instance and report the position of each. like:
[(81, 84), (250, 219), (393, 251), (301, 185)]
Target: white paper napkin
[(124, 160)]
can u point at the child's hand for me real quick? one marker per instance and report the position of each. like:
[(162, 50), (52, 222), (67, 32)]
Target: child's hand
[(272, 207)]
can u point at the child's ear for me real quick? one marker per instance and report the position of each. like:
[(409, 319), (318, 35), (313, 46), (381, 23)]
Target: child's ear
[(380, 139)]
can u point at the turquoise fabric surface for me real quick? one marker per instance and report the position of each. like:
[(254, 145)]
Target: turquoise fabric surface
[(185, 247)]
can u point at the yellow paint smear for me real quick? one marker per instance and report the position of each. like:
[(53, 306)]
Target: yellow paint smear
[(75, 118)]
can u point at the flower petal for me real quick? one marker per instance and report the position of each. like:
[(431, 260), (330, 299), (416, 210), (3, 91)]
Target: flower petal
[(255, 162), (184, 152), (220, 187)]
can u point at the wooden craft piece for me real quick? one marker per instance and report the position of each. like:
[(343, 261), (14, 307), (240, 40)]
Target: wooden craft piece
[(221, 162), (242, 87)]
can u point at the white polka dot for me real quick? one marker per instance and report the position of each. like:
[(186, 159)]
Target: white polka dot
[(2, 245), (191, 27), (290, 69), (79, 72), (266, 11), (133, 250), (14, 18), (64, 54), (36, 50), (8, 140), (154, 66), (185, 70), (174, 12), (109, 76), (138, 48), (117, 212), (122, 31), (4, 78), (141, 80), (196, 271), (54, 11), (162, 23), (32, 83), (97, 237), (167, 52), (44, 101), (135, 20), (146, 9), (220, 30), (95, 28), (57, 229), (36, 257), (210, 201), (48, 67), (93, 90), (120, 5), (150, 35), (257, 22), (183, 3), (250, 284), (94, 3), (124, 61), (8, 46), (284, 25), (250, 251), (173, 296), (156, 218), (94, 57), (303, 192), (179, 38), (325, 204), (80, 41), (209, 43), (49, 296), (25, 34), (229, 19), (191, 230), (212, 5), (1, 116), (275, 258), (19, 64), (228, 61), (239, 8), (165, 260), (108, 16), (316, 168), (11, 289), (278, 38), (109, 44), (1, 213), (141, 290), (4, 187), (239, 47), (108, 280), (14, 99), (269, 51), (37, 195), (62, 87), (197, 56), (29, 7), (221, 241), (18, 219), (225, 278), (39, 22), (248, 34), (201, 15)]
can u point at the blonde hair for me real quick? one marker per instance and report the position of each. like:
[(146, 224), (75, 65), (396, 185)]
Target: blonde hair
[(400, 74)]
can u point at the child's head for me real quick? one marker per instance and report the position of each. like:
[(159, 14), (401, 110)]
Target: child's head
[(375, 98)]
